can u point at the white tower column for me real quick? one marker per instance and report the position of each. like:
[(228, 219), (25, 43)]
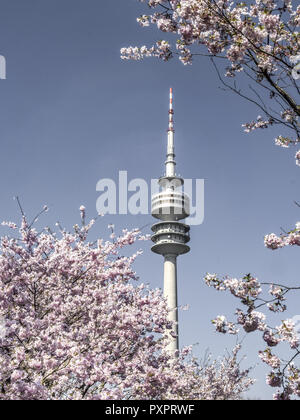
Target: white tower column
[(170, 293)]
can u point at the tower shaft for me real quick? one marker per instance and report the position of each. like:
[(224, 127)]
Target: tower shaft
[(170, 293)]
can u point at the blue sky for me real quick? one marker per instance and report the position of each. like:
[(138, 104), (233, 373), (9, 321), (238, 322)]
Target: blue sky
[(72, 113)]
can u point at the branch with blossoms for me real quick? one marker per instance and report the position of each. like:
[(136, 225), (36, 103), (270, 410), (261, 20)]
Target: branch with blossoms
[(258, 38), (249, 291), (291, 238), (285, 375)]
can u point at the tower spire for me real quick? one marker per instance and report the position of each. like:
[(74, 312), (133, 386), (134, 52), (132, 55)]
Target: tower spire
[(171, 112), (170, 162)]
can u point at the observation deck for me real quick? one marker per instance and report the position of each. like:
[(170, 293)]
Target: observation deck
[(170, 238)]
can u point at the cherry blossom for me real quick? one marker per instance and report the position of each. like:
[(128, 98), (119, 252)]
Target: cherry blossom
[(292, 238), (259, 38), (251, 294), (75, 324)]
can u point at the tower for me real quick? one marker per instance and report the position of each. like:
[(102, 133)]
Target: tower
[(170, 235)]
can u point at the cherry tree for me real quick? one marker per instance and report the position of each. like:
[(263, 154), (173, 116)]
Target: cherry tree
[(285, 374), (75, 324), (257, 40)]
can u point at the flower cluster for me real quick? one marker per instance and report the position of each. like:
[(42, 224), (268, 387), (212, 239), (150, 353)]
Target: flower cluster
[(223, 326), (160, 50), (273, 241), (292, 238), (286, 332), (271, 360), (252, 321), (260, 123), (247, 289), (283, 141)]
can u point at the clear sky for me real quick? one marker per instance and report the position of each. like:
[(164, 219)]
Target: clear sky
[(71, 113)]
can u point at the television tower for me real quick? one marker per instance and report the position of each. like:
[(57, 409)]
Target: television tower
[(170, 236)]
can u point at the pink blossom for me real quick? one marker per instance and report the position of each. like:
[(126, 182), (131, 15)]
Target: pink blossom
[(273, 241), (77, 325), (270, 359), (274, 380), (270, 338)]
